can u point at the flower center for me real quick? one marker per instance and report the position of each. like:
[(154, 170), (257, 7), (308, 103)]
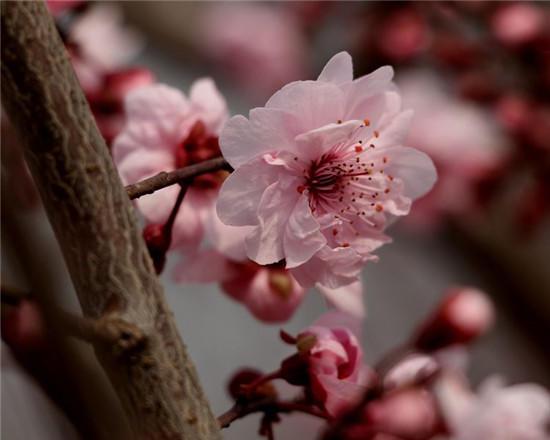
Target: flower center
[(197, 147), (349, 182)]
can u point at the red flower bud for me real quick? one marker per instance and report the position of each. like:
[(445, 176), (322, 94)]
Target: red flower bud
[(242, 386), (465, 314), (157, 244)]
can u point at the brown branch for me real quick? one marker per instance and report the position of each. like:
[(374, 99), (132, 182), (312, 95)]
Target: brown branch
[(167, 178), (96, 227)]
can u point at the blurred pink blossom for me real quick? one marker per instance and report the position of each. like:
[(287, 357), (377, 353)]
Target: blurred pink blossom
[(98, 43), (464, 142), (409, 413), (259, 44), (107, 102), (319, 172), (337, 374), (464, 314), (167, 130), (517, 412), (403, 34), (515, 24)]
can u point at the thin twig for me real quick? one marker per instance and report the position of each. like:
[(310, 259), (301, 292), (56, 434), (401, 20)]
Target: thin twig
[(240, 410), (167, 178), (168, 226)]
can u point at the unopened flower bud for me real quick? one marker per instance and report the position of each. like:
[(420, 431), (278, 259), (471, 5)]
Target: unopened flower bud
[(237, 386), (157, 244), (294, 370), (465, 314)]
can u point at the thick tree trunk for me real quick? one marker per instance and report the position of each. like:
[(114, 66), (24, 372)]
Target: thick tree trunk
[(96, 227)]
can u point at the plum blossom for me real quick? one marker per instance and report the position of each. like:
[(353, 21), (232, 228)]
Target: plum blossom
[(464, 142), (320, 171), (167, 130), (98, 43), (269, 292), (336, 373), (517, 412), (260, 45)]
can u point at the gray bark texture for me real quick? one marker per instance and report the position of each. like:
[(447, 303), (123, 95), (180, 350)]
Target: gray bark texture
[(96, 227)]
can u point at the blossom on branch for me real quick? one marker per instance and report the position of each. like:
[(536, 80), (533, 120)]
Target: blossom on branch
[(320, 171), (517, 412), (329, 363), (166, 130)]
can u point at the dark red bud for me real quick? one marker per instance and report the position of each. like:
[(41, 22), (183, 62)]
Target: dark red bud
[(294, 370), (239, 390), (157, 245)]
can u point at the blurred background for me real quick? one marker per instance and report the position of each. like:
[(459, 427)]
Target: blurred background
[(478, 76)]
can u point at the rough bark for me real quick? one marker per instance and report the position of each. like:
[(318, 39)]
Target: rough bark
[(96, 227)]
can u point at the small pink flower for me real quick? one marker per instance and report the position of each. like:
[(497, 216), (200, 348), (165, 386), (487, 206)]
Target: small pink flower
[(166, 130), (517, 412), (107, 102), (259, 44), (319, 172), (336, 372), (270, 292), (98, 43), (464, 142)]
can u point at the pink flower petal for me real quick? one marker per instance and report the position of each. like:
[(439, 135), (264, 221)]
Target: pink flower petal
[(338, 70), (302, 237), (348, 299), (242, 191), (265, 244)]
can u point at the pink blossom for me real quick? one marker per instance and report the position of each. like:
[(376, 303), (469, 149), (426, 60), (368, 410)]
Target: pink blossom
[(269, 292), (517, 23), (337, 374), (320, 171), (259, 44), (409, 413), (465, 144), (107, 102), (517, 412), (98, 43), (167, 130)]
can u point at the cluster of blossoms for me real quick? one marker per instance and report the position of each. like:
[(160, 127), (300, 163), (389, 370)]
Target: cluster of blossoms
[(420, 394), (501, 119), (319, 173), (100, 48)]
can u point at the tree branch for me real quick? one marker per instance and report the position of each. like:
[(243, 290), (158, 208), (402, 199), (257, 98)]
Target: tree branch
[(96, 227), (167, 178)]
